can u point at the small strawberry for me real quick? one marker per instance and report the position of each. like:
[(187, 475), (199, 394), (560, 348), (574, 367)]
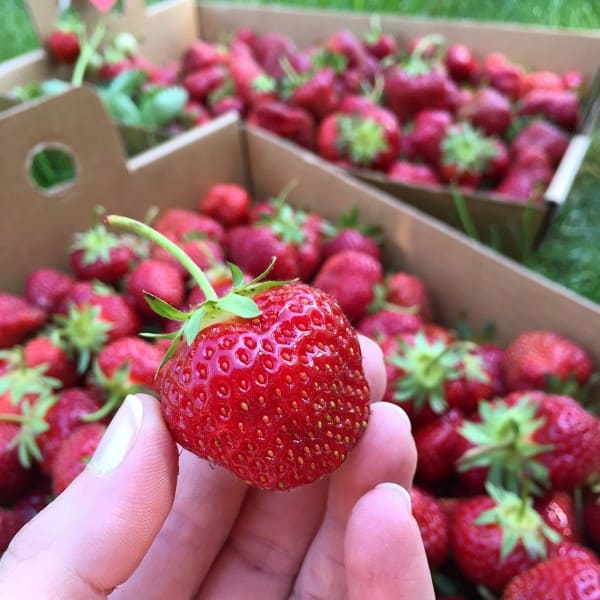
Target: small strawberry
[(350, 277), (201, 55), (45, 288), (461, 63), (559, 578), (542, 359), (315, 92), (549, 440), (408, 291), (495, 537), (63, 46), (389, 322), (527, 177), (466, 154), (158, 278), (378, 43), (560, 107), (44, 350), (201, 83), (506, 77), (98, 254), (14, 476), (181, 224), (287, 121), (558, 511), (18, 319), (433, 525), (74, 454), (489, 111), (227, 203), (425, 139), (544, 137), (412, 173), (240, 356)]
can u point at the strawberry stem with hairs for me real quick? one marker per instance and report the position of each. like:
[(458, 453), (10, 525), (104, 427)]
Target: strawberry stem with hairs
[(88, 50)]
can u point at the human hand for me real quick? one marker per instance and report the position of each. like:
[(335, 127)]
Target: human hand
[(131, 522)]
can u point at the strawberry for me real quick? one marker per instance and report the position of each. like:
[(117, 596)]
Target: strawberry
[(558, 511), (548, 439), (243, 353), (200, 83), (438, 447), (560, 107), (74, 454), (506, 77), (204, 252), (14, 476), (227, 104), (389, 322), (289, 122), (489, 111), (370, 139), (45, 288), (379, 44), (157, 278), (412, 173), (568, 549), (18, 319), (591, 517), (63, 46), (495, 537), (559, 578), (538, 359), (251, 83), (181, 224), (201, 55), (271, 50), (356, 104), (466, 155), (45, 351), (291, 236), (543, 80), (314, 92), (461, 63), (433, 525), (348, 45), (493, 359), (227, 203), (98, 254), (408, 291), (350, 277), (573, 80), (499, 164), (544, 137), (425, 138), (527, 177), (62, 419), (193, 114)]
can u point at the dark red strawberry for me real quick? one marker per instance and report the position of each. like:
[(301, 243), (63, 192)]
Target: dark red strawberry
[(558, 511), (227, 203), (290, 122), (63, 46), (527, 177), (62, 419), (495, 537), (14, 476), (271, 50), (377, 43), (499, 164), (357, 104), (79, 293), (98, 254), (158, 278), (425, 139), (350, 277), (74, 454), (45, 288), (18, 319), (466, 155), (560, 578), (433, 525), (493, 360), (591, 517), (201, 55), (413, 173), (251, 83), (560, 107), (489, 111), (506, 77), (314, 92), (181, 224), (45, 351), (537, 357), (11, 521), (199, 84), (461, 63), (408, 291), (544, 137)]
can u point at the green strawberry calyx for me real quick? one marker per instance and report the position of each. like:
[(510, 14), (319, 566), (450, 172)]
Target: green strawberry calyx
[(504, 441), (96, 244), (264, 84), (22, 381), (237, 303), (467, 148), (361, 138), (519, 522), (380, 302), (352, 220), (428, 365), (286, 222), (417, 63)]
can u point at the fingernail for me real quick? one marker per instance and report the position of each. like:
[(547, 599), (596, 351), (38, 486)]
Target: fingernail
[(400, 491), (119, 437)]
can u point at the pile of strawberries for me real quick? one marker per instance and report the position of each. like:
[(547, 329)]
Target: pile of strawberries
[(422, 113), (508, 458)]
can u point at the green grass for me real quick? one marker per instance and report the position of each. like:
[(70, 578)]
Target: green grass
[(571, 252)]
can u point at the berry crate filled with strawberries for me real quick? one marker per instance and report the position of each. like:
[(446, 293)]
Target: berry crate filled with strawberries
[(259, 364)]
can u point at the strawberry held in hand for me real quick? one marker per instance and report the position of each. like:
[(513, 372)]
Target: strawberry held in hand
[(266, 381)]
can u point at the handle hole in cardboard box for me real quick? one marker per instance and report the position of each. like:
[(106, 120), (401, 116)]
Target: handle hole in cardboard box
[(51, 168)]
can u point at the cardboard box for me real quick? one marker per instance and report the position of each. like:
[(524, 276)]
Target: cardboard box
[(36, 228), (167, 28)]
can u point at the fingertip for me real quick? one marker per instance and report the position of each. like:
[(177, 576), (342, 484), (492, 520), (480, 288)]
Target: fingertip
[(374, 367)]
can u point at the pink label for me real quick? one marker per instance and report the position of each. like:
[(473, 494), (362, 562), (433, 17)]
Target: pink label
[(103, 5)]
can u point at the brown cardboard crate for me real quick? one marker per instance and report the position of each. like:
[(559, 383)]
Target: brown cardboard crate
[(464, 278)]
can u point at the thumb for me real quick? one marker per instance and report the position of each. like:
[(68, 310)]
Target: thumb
[(95, 534)]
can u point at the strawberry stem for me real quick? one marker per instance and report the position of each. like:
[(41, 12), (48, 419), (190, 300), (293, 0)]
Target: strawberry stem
[(160, 240), (87, 51)]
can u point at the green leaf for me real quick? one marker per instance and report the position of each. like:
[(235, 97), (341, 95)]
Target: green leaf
[(121, 108), (242, 306), (164, 309), (163, 106), (237, 276), (50, 87), (128, 82), (193, 325), (169, 353)]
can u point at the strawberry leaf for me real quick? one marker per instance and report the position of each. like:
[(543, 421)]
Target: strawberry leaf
[(237, 276), (164, 309), (242, 306), (193, 325)]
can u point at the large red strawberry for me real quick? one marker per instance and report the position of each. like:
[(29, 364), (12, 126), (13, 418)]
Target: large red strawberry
[(237, 358), (557, 579), (18, 319), (350, 277), (535, 358), (489, 111), (495, 537), (45, 288), (542, 136), (63, 46), (560, 107), (433, 525), (550, 440), (98, 254), (43, 350), (74, 454), (227, 203)]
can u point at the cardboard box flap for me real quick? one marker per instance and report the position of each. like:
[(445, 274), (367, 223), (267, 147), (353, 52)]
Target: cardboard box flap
[(37, 225)]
